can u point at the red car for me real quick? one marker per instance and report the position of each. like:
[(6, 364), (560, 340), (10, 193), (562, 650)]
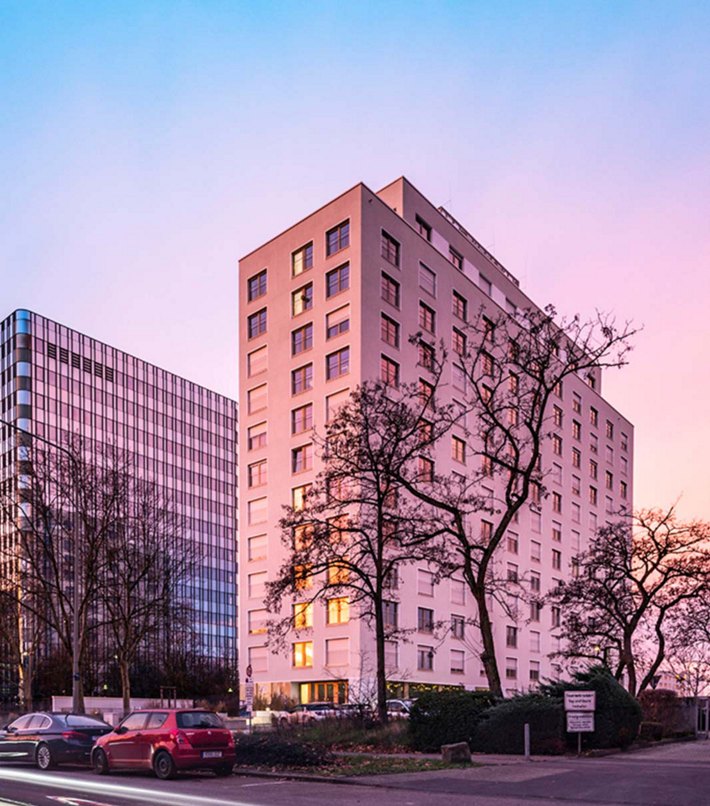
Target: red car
[(166, 740)]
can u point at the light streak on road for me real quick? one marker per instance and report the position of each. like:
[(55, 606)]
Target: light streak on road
[(127, 791)]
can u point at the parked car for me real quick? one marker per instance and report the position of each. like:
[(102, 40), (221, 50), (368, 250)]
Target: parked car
[(167, 740), (354, 710), (399, 709), (311, 712), (48, 739)]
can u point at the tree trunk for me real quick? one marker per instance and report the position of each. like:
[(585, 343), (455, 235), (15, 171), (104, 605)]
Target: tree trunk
[(26, 675), (125, 686), (381, 670), (488, 656), (630, 665)]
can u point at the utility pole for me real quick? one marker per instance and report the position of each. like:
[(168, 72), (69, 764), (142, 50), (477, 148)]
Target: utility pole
[(77, 699)]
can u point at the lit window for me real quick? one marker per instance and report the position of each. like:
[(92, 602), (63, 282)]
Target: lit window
[(427, 279), (389, 249), (338, 574), (576, 403), (302, 419), (337, 280), (593, 416), (302, 379), (389, 290), (456, 258), (303, 654), (337, 238), (337, 322), (302, 339), (337, 364), (458, 342), (593, 468), (389, 371), (389, 331), (576, 457), (576, 429), (302, 615), (425, 658), (422, 227), (302, 259), (256, 285), (557, 416), (458, 450), (338, 610), (299, 495), (302, 299), (557, 444), (256, 324)]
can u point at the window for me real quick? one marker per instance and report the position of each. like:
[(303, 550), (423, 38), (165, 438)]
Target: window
[(426, 355), (302, 299), (425, 583), (337, 651), (457, 661), (337, 280), (593, 496), (557, 473), (534, 641), (337, 364), (593, 443), (511, 307), (302, 419), (427, 280), (511, 668), (302, 458), (593, 469), (511, 637), (609, 429), (303, 615), (556, 616), (535, 551), (257, 548), (338, 610), (557, 444), (556, 502), (302, 379), (389, 371), (256, 585), (456, 258), (534, 582), (460, 306), (302, 259), (334, 402), (389, 249), (256, 286), (458, 342), (427, 318), (256, 511), (576, 429), (535, 611), (257, 474), (425, 619), (557, 416), (557, 532), (512, 543), (257, 362), (575, 513), (337, 322), (609, 480), (592, 522), (298, 496), (556, 559), (338, 574), (534, 671), (576, 457), (258, 658), (458, 377), (389, 290), (390, 612), (389, 331), (256, 324), (458, 450), (256, 437), (576, 403), (458, 591), (609, 454), (458, 626), (422, 228), (485, 285), (623, 489), (624, 442), (558, 390), (257, 399), (425, 468), (391, 655), (512, 572), (593, 416), (302, 654), (302, 339), (624, 464), (425, 658)]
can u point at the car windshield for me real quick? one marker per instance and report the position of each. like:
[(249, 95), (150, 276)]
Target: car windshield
[(77, 721), (198, 719)]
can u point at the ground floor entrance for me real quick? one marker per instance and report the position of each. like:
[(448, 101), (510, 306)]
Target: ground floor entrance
[(324, 691)]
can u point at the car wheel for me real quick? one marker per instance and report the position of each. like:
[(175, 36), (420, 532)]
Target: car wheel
[(100, 763), (164, 766), (44, 758), (224, 770)]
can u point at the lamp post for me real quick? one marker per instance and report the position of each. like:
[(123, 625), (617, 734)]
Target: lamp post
[(77, 701)]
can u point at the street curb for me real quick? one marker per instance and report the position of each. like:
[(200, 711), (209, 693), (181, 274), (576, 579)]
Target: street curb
[(304, 776)]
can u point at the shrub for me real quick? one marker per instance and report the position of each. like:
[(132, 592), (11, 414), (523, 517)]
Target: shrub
[(651, 731), (272, 750), (444, 717), (502, 728), (617, 716), (662, 706), (352, 734)]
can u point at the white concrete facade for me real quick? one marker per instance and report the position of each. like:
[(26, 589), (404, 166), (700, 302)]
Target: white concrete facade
[(342, 654)]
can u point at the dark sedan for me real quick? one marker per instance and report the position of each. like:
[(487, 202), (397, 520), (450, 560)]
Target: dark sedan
[(48, 739)]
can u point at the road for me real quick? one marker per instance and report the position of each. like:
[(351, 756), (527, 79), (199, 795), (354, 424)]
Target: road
[(673, 775)]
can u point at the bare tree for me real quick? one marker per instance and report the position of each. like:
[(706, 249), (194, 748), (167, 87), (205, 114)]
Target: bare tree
[(510, 370), (147, 562), (631, 580), (688, 645), (357, 524)]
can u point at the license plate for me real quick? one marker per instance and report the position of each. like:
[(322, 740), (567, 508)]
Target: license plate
[(211, 754)]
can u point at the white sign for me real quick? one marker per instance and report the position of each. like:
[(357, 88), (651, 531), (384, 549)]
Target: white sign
[(249, 695), (580, 700), (580, 722)]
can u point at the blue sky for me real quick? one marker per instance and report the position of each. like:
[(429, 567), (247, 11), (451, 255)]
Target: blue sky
[(144, 147)]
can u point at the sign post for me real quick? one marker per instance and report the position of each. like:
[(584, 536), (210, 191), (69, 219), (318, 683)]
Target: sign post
[(249, 695), (579, 710)]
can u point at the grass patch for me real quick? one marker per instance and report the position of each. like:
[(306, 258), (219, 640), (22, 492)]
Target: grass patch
[(378, 765), (353, 735)]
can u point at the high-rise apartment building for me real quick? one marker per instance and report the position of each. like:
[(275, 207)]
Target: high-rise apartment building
[(56, 382), (329, 303)]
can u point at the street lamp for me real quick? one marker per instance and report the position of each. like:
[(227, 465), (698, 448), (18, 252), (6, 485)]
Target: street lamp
[(77, 706)]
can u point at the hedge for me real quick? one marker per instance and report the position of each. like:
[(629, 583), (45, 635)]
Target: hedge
[(502, 728), (444, 717), (272, 750)]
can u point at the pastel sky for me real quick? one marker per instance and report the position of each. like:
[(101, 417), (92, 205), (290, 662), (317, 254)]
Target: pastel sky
[(145, 146)]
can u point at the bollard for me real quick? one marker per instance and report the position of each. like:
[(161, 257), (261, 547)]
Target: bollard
[(527, 740)]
